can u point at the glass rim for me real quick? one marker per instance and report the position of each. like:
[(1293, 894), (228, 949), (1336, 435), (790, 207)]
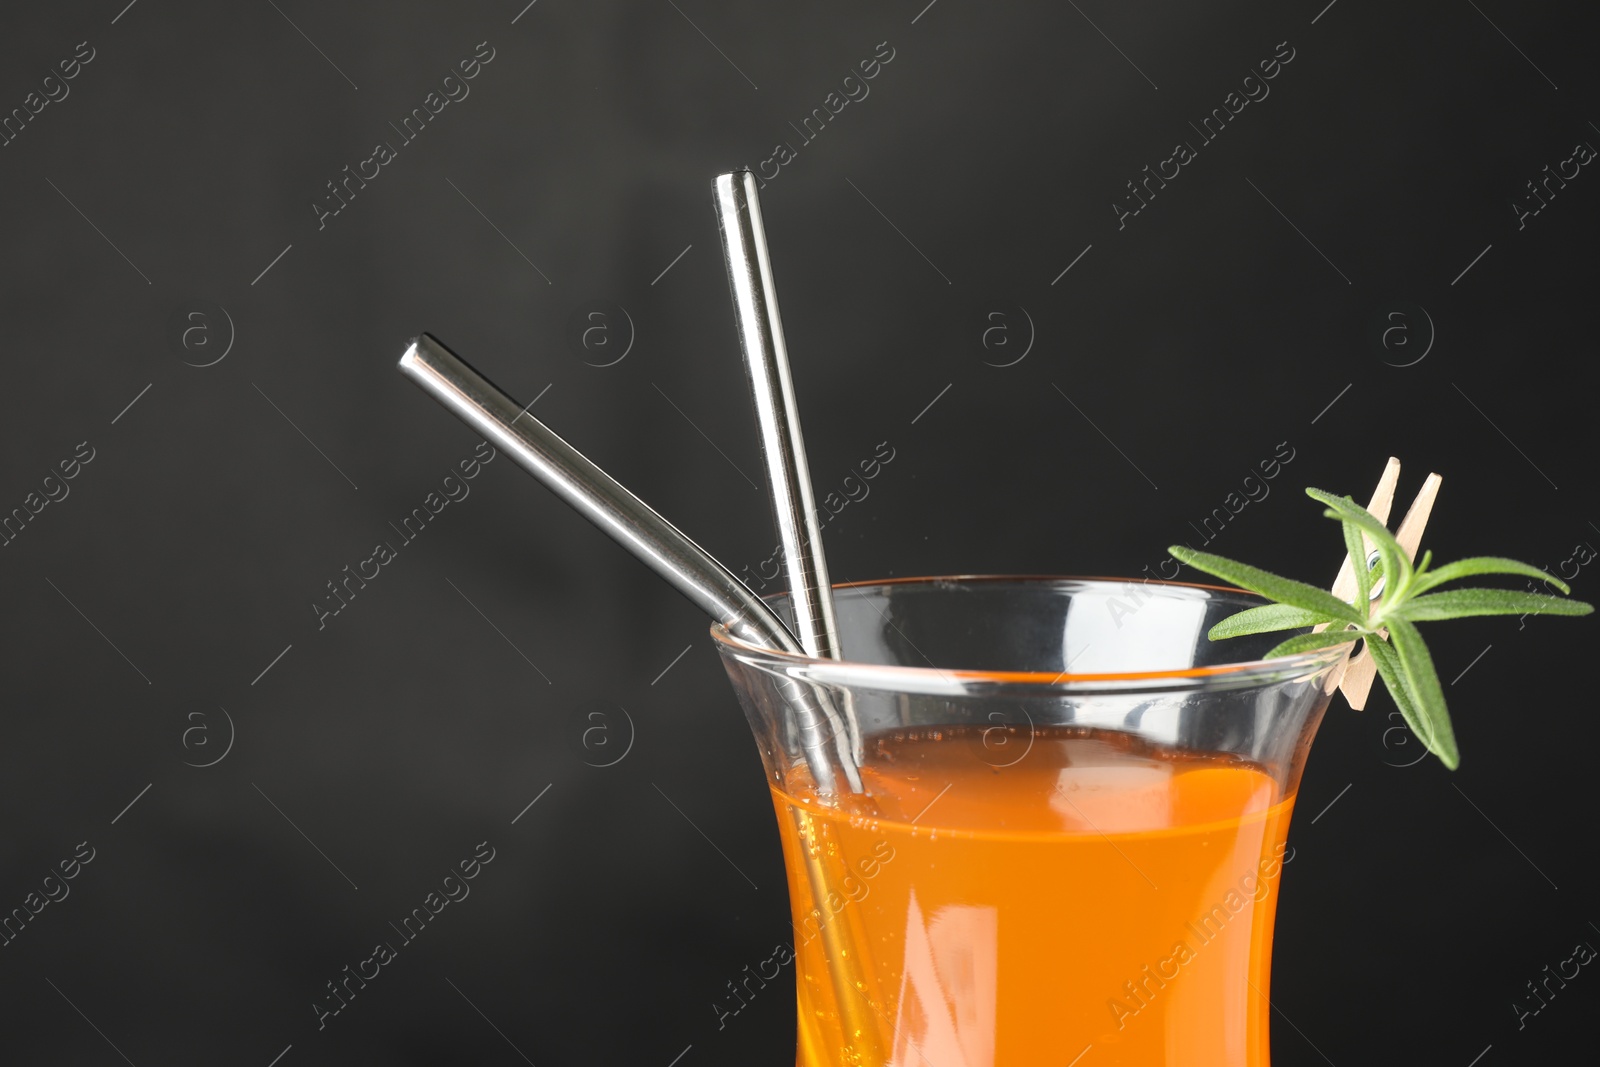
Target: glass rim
[(898, 677)]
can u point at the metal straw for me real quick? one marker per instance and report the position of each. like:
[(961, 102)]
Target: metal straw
[(794, 512), (634, 525), (689, 568), (766, 363)]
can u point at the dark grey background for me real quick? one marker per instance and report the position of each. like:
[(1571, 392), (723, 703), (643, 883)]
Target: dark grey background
[(1242, 308)]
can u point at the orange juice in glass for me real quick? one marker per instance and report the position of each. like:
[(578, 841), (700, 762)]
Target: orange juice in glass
[(1071, 829)]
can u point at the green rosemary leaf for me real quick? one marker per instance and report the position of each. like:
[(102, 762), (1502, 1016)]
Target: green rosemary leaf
[(1423, 682), (1357, 550), (1388, 664), (1396, 563), (1265, 620), (1272, 586), (1463, 568), (1311, 642), (1460, 603)]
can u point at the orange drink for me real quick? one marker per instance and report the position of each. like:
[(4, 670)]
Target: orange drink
[(1098, 894), (1033, 821)]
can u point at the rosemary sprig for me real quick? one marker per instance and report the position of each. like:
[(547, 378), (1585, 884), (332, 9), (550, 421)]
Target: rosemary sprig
[(1386, 623)]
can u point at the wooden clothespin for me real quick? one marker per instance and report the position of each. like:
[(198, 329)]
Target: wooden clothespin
[(1360, 670)]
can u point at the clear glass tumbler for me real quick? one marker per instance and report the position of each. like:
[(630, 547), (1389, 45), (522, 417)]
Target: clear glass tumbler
[(1069, 832)]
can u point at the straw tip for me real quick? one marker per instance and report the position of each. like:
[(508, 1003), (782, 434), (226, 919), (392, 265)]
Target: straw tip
[(409, 356), (728, 181), (417, 353)]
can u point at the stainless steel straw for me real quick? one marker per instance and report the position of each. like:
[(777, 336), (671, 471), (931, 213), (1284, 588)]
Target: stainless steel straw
[(794, 513), (766, 364), (634, 525), (689, 568)]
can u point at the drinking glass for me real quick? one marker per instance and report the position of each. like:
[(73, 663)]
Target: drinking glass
[(1069, 831)]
